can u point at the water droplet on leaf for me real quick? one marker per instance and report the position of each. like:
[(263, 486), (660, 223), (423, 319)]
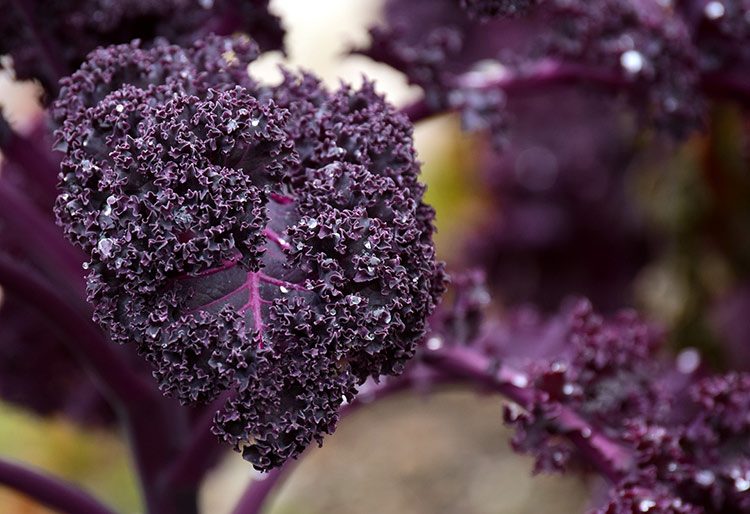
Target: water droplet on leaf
[(632, 61), (714, 10)]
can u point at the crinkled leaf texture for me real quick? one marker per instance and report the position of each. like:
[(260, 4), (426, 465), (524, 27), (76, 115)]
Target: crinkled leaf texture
[(672, 438), (268, 243)]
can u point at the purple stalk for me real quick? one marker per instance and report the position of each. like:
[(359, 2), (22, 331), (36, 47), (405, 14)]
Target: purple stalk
[(199, 452), (148, 418), (49, 491), (29, 156), (530, 77), (39, 237), (606, 456), (452, 364), (734, 86), (542, 73), (256, 494), (110, 370), (418, 111), (456, 366), (146, 415), (151, 436), (546, 72)]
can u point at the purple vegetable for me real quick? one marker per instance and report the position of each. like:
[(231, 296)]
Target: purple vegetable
[(30, 345), (263, 255), (49, 39), (284, 260), (645, 49), (491, 8), (561, 220)]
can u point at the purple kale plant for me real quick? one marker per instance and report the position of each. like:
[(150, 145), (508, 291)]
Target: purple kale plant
[(282, 260), (30, 343), (492, 8), (539, 241), (208, 260), (599, 393), (667, 58), (48, 40)]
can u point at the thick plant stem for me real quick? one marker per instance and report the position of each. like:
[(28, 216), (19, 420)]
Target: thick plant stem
[(547, 72), (152, 444), (540, 74), (199, 452), (110, 370), (528, 78), (146, 415), (29, 225), (37, 161), (49, 491), (256, 495), (728, 85), (418, 111), (40, 238), (148, 418)]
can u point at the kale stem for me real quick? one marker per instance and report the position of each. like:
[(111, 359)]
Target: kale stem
[(87, 342), (254, 498), (257, 493), (146, 415), (463, 365), (547, 72), (36, 160), (730, 85), (605, 456), (40, 239), (28, 225), (48, 490), (59, 296), (418, 111), (530, 77), (199, 452), (542, 73)]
